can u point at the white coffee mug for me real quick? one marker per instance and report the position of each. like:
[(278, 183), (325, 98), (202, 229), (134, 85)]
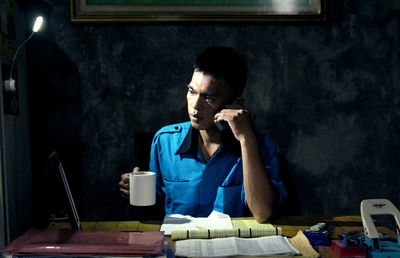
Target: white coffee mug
[(142, 188)]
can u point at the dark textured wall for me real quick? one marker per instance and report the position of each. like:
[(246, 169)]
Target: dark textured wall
[(328, 94)]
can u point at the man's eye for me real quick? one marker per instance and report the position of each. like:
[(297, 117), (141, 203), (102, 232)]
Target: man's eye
[(191, 91), (210, 98)]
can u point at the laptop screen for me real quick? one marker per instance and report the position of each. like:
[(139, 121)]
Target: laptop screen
[(55, 161)]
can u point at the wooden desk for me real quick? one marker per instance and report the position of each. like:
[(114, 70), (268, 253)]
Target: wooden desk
[(290, 226)]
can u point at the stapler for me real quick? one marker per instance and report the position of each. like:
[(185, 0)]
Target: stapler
[(319, 234), (378, 247)]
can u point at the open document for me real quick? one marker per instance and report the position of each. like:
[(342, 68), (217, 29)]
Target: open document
[(261, 246), (175, 222)]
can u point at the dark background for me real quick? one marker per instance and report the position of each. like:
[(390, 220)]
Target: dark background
[(328, 95)]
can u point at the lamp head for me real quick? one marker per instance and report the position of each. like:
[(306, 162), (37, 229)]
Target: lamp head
[(38, 24), (9, 85)]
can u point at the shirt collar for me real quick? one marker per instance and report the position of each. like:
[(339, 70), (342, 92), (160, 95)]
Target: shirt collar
[(189, 143)]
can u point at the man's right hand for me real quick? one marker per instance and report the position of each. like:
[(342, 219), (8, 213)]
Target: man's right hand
[(124, 183)]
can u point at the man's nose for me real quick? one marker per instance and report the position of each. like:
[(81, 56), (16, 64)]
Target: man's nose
[(196, 104)]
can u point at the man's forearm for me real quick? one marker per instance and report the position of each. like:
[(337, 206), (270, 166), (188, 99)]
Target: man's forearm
[(258, 188)]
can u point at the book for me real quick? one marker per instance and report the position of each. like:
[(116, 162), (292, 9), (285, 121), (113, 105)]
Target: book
[(218, 233)]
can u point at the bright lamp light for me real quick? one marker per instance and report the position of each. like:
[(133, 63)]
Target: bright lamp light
[(38, 24), (10, 84)]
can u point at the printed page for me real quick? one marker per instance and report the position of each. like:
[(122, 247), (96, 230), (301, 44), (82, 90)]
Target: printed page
[(271, 245)]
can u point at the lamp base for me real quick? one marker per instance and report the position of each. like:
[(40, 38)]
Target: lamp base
[(9, 85)]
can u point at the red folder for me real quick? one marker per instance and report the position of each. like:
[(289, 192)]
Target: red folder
[(87, 242)]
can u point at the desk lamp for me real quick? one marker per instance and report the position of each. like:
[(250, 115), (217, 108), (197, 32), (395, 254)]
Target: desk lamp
[(10, 84)]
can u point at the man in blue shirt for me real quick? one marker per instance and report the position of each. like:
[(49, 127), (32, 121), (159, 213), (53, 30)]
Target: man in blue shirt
[(200, 167)]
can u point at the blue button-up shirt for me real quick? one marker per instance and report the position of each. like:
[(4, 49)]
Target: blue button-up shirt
[(191, 186)]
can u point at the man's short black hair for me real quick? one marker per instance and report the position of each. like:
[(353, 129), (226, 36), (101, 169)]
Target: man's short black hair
[(224, 63)]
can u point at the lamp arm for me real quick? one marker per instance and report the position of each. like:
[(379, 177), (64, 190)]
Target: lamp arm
[(16, 53)]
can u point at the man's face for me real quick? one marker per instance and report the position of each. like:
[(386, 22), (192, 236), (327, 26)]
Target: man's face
[(205, 97)]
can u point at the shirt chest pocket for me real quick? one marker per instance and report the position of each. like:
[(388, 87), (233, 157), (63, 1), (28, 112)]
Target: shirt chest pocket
[(175, 180), (178, 194), (229, 200)]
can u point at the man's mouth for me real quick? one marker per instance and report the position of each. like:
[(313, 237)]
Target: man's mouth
[(195, 117)]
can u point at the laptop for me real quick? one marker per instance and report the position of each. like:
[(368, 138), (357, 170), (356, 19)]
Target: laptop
[(59, 242), (73, 217)]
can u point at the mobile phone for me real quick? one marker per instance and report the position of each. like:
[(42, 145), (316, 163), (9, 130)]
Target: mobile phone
[(223, 125)]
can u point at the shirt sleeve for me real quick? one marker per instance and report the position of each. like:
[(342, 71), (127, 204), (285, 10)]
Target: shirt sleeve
[(269, 155), (270, 159)]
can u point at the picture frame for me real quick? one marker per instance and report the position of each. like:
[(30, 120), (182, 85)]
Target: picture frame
[(155, 11)]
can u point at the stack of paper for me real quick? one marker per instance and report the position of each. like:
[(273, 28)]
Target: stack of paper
[(218, 233), (261, 246), (176, 222), (248, 237)]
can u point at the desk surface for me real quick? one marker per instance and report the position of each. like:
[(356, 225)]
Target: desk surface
[(290, 226)]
